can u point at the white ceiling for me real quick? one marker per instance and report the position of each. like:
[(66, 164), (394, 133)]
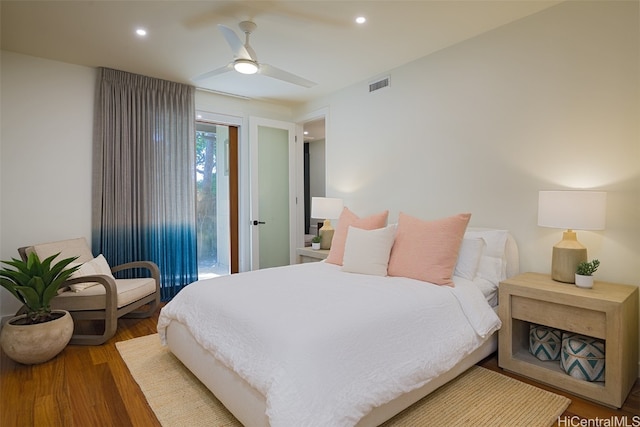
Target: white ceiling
[(317, 40)]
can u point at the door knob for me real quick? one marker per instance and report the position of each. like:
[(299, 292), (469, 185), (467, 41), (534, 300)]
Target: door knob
[(256, 222)]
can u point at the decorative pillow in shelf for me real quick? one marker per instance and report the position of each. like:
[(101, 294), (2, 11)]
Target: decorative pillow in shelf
[(348, 218), (545, 342), (96, 266), (367, 251), (427, 250), (583, 357)]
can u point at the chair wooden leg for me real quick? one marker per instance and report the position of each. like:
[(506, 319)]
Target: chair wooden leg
[(110, 326), (142, 314)]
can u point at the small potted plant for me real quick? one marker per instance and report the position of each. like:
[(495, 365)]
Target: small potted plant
[(315, 242), (41, 333), (584, 273)]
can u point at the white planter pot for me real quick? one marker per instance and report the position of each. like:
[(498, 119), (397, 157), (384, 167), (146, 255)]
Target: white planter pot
[(584, 281), (32, 344), (315, 246)]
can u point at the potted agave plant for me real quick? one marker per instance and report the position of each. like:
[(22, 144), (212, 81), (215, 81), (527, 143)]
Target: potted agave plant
[(41, 333), (584, 273)]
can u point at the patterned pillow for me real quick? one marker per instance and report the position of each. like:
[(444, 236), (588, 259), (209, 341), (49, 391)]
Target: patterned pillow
[(583, 357)]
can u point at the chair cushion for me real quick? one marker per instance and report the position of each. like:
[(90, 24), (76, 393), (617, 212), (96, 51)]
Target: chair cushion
[(67, 249), (129, 290), (98, 265)]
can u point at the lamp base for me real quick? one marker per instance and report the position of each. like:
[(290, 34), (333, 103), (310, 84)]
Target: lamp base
[(326, 234), (567, 254)]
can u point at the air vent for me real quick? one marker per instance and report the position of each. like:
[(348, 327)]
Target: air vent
[(380, 84)]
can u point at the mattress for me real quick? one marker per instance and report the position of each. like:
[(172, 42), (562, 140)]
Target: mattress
[(249, 406), (325, 347), (334, 348)]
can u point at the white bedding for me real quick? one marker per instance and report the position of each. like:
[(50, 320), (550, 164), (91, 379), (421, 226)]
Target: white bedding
[(323, 346)]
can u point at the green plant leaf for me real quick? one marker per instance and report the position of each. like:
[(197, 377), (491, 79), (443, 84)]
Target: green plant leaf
[(35, 283), (61, 265), (18, 277), (21, 273), (49, 293), (11, 287), (31, 298)]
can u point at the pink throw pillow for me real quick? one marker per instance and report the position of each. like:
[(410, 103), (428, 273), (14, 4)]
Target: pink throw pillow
[(348, 218), (427, 250)]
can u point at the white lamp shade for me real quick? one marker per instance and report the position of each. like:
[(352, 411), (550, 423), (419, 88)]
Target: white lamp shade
[(572, 210), (326, 207)]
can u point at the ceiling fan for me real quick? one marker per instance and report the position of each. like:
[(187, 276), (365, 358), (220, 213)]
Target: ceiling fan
[(245, 60)]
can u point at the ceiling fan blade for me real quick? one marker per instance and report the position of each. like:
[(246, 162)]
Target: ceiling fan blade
[(277, 73), (215, 72), (239, 51)]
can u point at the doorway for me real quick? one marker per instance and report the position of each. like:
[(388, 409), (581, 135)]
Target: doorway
[(217, 199), (314, 171)]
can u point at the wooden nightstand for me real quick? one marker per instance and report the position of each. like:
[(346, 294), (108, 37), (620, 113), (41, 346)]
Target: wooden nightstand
[(607, 311), (307, 254)]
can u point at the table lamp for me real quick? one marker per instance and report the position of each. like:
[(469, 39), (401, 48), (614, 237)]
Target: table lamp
[(571, 210), (326, 208)]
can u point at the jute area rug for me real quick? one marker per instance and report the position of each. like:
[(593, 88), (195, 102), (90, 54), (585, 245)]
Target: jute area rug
[(479, 397)]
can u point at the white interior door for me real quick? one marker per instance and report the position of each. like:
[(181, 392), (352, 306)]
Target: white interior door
[(273, 193)]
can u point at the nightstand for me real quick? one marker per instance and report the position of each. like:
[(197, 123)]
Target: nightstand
[(607, 311), (307, 254)]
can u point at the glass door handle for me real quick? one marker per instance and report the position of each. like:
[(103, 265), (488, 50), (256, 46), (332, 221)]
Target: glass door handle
[(256, 222)]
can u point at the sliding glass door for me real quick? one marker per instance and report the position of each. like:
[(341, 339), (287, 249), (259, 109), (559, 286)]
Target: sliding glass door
[(216, 196)]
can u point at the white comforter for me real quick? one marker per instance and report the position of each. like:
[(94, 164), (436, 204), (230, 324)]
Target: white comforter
[(324, 346)]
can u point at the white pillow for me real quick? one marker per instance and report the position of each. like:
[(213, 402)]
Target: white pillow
[(98, 265), (469, 258), (493, 263), (367, 251)]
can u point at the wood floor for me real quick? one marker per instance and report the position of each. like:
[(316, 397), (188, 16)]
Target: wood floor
[(91, 386)]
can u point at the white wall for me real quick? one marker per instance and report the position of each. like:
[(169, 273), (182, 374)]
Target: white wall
[(547, 102), (46, 137)]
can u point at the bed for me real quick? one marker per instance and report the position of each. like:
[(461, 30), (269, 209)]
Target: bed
[(314, 345)]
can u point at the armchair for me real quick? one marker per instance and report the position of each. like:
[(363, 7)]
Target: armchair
[(109, 298)]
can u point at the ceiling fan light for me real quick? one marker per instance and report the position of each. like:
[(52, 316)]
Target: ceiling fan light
[(245, 66)]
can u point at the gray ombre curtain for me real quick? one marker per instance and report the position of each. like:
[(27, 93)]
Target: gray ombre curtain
[(144, 175)]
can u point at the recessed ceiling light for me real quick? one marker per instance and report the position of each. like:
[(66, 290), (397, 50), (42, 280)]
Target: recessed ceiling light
[(141, 32), (306, 132), (361, 20)]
